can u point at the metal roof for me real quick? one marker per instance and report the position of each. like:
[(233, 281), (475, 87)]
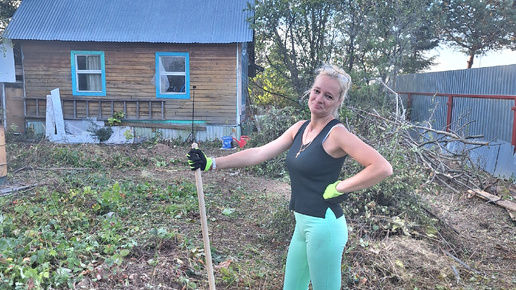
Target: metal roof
[(154, 21)]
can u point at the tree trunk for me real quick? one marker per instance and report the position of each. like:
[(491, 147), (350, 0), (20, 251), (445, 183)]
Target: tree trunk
[(470, 61)]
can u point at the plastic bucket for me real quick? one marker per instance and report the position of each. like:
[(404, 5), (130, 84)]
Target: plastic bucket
[(227, 142)]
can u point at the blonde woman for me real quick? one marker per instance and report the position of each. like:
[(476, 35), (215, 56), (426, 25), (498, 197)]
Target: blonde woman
[(317, 149)]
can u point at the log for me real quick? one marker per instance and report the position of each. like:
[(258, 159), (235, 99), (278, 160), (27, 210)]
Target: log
[(509, 205)]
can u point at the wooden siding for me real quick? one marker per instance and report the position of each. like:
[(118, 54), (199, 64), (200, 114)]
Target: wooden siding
[(130, 70), (14, 111)]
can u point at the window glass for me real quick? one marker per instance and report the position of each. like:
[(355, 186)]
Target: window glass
[(173, 84), (172, 69), (173, 63), (88, 62), (89, 82), (88, 74)]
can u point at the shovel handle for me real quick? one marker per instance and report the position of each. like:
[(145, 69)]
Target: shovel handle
[(204, 224)]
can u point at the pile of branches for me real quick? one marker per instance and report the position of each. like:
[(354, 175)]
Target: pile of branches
[(445, 153)]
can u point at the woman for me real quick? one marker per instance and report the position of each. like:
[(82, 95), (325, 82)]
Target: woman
[(317, 149)]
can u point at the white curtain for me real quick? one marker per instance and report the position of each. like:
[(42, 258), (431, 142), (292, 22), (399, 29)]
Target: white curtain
[(164, 83), (94, 81)]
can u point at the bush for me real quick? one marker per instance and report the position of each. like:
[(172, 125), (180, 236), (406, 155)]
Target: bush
[(379, 207)]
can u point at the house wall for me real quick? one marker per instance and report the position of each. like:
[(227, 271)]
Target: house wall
[(130, 70), (13, 113)]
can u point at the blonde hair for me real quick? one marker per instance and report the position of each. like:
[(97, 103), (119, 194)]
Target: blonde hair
[(339, 75)]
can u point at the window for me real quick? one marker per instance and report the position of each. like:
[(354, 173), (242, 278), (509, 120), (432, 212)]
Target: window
[(173, 75), (88, 73)]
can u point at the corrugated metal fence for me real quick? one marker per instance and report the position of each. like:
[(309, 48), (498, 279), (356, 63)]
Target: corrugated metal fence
[(470, 102)]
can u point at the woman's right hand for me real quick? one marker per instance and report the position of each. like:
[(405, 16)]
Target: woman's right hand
[(197, 159)]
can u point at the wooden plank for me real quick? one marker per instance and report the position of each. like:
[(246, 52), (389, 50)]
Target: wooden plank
[(49, 120), (164, 126), (493, 199), (58, 112)]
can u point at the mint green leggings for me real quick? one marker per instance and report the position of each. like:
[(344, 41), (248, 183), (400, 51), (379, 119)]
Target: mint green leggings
[(315, 252)]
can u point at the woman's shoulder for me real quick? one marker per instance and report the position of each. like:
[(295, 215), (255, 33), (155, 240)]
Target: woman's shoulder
[(300, 123), (294, 129), (338, 131)]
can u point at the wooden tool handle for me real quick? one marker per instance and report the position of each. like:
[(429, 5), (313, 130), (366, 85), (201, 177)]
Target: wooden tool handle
[(204, 224)]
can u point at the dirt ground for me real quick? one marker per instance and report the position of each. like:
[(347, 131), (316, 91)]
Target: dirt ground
[(475, 250)]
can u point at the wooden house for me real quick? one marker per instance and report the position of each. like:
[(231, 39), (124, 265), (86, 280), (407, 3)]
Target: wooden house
[(167, 64)]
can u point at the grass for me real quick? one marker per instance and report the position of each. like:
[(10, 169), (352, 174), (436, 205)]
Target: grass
[(52, 238), (106, 211)]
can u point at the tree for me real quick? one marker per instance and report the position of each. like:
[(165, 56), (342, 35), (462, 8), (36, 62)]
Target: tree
[(7, 9), (293, 38), (366, 37), (478, 26), (385, 38)]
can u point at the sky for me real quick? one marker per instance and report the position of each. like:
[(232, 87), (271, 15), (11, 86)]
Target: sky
[(448, 59)]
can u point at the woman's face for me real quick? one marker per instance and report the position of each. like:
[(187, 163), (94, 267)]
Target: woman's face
[(324, 96)]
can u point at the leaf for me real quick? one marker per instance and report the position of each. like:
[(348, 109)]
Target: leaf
[(224, 264), (228, 211)]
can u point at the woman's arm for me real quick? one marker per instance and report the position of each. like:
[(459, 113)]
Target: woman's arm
[(377, 168), (253, 156)]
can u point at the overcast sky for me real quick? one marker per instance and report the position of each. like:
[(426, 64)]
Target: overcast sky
[(450, 60)]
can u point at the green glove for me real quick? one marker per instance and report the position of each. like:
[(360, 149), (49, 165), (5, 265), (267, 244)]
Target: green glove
[(197, 159), (331, 194)]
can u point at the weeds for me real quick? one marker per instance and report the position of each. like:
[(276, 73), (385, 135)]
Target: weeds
[(55, 238)]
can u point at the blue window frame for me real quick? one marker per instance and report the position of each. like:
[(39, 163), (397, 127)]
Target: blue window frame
[(172, 75), (88, 73)]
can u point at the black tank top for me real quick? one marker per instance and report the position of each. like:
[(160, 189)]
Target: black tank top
[(311, 172)]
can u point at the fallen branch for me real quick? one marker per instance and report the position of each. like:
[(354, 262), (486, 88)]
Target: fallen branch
[(441, 220), (454, 136), (509, 205), (7, 191), (49, 168), (462, 263), (457, 277)]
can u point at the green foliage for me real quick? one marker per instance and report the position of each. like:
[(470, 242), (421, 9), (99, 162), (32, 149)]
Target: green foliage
[(368, 38), (476, 27), (381, 206), (12, 134), (366, 97), (102, 133), (281, 220), (128, 134), (116, 119), (377, 207), (270, 89), (271, 125), (50, 239), (392, 38), (293, 38), (7, 9)]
